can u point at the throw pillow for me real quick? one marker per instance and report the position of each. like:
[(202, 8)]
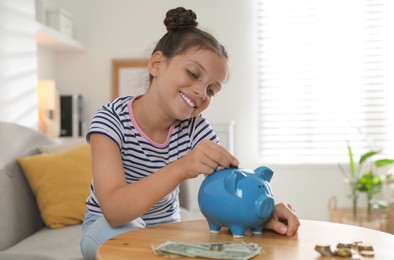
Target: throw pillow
[(60, 182), (61, 147)]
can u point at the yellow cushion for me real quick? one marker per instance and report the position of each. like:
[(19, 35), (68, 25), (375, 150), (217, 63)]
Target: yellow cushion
[(60, 182)]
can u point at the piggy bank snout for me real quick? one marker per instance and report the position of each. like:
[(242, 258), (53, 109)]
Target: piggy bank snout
[(265, 206)]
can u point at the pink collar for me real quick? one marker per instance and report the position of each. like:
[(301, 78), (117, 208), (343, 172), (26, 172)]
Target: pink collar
[(139, 130)]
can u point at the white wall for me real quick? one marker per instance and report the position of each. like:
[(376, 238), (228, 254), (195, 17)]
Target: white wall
[(18, 63), (130, 28)]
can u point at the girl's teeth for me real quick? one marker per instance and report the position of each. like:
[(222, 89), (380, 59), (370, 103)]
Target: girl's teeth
[(188, 101)]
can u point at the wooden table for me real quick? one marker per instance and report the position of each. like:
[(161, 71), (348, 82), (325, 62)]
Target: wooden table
[(137, 244)]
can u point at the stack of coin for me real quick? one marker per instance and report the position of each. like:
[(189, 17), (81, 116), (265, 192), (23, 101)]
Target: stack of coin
[(356, 243), (366, 250), (345, 244), (344, 252), (324, 250), (344, 249)]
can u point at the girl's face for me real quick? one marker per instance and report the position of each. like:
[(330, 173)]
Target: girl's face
[(187, 83)]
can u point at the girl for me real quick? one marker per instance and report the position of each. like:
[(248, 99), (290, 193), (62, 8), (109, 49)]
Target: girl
[(143, 147)]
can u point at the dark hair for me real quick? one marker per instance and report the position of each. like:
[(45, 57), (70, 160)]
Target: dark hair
[(183, 35)]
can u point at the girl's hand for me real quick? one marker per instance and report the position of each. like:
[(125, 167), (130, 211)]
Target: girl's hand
[(283, 220), (205, 158)]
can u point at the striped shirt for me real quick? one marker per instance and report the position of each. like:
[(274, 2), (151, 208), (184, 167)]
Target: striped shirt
[(141, 156)]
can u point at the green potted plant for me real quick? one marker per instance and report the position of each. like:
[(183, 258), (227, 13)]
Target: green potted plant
[(363, 177)]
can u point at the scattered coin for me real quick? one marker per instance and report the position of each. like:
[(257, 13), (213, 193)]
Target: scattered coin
[(346, 249)]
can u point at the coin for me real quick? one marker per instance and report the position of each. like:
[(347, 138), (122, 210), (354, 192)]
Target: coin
[(356, 243), (367, 253), (365, 247), (322, 246), (324, 249), (345, 244), (343, 252)]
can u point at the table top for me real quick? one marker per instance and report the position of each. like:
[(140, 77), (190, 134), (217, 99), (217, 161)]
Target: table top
[(137, 244)]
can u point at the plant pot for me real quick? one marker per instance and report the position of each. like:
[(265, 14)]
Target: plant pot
[(380, 219)]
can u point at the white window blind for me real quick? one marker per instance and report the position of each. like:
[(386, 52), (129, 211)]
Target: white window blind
[(325, 72)]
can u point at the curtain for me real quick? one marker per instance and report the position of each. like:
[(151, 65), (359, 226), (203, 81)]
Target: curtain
[(325, 78)]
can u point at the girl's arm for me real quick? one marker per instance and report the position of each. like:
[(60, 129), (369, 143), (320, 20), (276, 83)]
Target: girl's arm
[(122, 203)]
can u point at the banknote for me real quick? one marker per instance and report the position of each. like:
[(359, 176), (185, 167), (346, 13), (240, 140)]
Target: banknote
[(231, 251)]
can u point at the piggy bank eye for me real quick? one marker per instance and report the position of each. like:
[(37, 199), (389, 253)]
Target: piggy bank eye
[(260, 186)]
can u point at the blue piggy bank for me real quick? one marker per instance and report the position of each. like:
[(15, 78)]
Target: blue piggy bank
[(237, 198)]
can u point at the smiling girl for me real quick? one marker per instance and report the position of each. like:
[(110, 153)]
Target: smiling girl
[(144, 146)]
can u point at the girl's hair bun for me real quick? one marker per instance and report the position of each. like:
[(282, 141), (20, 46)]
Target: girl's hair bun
[(180, 18)]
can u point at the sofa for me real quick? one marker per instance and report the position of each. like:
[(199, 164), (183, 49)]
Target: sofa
[(25, 233)]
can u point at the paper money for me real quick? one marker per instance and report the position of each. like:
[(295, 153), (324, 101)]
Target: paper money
[(231, 251)]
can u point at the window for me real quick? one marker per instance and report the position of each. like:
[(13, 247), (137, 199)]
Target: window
[(325, 76)]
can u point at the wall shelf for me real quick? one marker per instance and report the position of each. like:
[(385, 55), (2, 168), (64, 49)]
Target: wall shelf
[(50, 38)]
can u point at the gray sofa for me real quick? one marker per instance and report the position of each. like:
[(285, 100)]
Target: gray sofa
[(23, 234)]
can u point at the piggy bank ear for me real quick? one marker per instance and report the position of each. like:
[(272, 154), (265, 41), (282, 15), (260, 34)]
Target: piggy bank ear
[(232, 179), (264, 172)]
